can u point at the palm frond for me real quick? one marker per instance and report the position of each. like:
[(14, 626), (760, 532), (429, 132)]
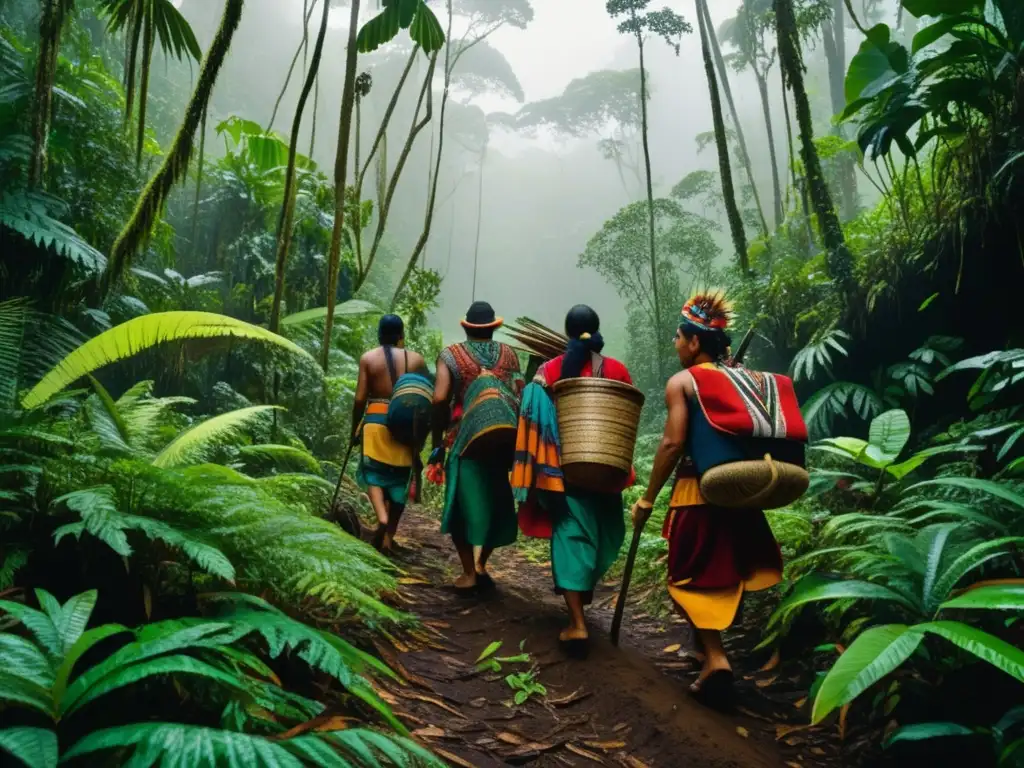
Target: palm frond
[(193, 443), (350, 308), (278, 457), (140, 333), (817, 356), (839, 399), (536, 339), (101, 518), (32, 215)]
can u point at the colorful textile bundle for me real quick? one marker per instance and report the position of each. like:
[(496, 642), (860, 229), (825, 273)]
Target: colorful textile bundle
[(490, 408), (410, 408), (537, 463)]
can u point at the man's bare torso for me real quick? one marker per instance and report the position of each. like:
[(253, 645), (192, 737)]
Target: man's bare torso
[(373, 365)]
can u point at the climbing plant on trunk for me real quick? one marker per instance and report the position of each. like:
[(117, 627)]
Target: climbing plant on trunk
[(838, 259), (175, 165), (668, 25), (732, 210)]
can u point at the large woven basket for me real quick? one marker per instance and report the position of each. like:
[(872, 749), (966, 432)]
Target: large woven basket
[(597, 425), (762, 484)]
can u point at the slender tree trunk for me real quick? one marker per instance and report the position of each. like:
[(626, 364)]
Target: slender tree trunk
[(199, 181), (148, 39), (656, 299), (51, 21), (316, 112), (286, 218), (723, 73), (732, 210), (479, 218), (175, 164), (428, 220), (839, 262), (132, 65), (340, 176), (834, 37), (762, 87), (307, 14)]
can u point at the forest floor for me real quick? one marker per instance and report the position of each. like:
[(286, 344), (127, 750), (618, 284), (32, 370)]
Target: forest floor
[(624, 706)]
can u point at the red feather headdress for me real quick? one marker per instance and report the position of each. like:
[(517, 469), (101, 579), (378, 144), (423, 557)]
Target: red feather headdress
[(707, 311)]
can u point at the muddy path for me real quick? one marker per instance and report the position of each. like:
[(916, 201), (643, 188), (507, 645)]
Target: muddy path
[(624, 706)]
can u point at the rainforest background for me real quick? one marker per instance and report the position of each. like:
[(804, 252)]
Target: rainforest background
[(205, 206)]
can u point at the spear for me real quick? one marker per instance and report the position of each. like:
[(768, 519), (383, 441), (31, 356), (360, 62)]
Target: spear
[(627, 572)]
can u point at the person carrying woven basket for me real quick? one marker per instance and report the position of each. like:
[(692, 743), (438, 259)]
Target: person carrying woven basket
[(385, 464), (716, 554), (476, 399), (586, 527)]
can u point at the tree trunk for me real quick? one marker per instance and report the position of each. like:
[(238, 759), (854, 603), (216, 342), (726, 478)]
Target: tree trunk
[(762, 87), (175, 164), (834, 37), (709, 31), (199, 182), (658, 329), (732, 210), (287, 216), (428, 220), (340, 176), (148, 38), (132, 66), (479, 219), (838, 260), (50, 22)]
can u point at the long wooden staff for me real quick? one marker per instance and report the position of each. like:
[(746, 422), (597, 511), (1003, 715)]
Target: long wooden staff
[(341, 475), (634, 545)]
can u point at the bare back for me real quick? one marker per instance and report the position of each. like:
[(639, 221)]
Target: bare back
[(374, 377)]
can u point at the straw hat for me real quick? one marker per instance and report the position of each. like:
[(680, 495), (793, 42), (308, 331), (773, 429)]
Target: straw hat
[(480, 316)]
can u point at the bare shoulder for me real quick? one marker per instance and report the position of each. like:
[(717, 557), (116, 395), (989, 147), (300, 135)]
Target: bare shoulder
[(369, 358), (416, 361), (680, 383)]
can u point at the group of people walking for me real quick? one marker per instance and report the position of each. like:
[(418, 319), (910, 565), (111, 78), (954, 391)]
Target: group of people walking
[(494, 446)]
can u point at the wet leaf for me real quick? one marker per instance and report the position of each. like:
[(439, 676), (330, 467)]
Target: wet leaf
[(430, 732), (772, 663), (672, 648), (510, 738), (742, 731), (606, 746), (765, 682), (584, 753), (490, 650), (412, 580), (454, 759)]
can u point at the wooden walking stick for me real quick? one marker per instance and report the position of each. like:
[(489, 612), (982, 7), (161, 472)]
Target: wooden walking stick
[(627, 572), (341, 474)]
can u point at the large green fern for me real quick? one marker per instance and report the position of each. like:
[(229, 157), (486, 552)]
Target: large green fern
[(144, 332), (31, 214), (196, 441)]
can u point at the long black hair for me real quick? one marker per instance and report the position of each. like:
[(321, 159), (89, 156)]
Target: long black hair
[(581, 326)]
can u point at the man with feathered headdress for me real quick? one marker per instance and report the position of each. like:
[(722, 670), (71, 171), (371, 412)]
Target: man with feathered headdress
[(715, 554)]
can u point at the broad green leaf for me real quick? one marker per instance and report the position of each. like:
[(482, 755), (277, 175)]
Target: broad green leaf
[(39, 624), (890, 432), (921, 8), (350, 308), (922, 731), (904, 468), (426, 30), (973, 558), (874, 654), (814, 588), (34, 747), (74, 618), (140, 333), (996, 652), (193, 442), (22, 657), (490, 650), (997, 597), (852, 446), (14, 688), (1000, 490), (90, 638)]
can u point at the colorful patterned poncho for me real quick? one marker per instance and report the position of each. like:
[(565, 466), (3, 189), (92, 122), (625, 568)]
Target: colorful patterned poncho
[(537, 465)]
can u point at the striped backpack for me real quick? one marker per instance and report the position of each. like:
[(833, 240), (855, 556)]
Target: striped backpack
[(412, 394)]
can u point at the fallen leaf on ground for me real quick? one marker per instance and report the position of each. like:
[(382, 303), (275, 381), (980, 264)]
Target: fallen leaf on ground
[(480, 702), (584, 753), (765, 682), (742, 731), (319, 724), (781, 731), (454, 759), (430, 732), (631, 762), (817, 751), (432, 700), (510, 738), (772, 663), (529, 749), (620, 727), (800, 702), (572, 698), (607, 746), (412, 580), (792, 764), (438, 624), (672, 648)]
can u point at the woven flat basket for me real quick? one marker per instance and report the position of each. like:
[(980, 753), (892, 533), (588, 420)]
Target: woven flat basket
[(760, 484), (597, 426)]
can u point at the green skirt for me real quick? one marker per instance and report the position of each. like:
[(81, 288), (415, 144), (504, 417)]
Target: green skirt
[(394, 481), (587, 533), (479, 508)]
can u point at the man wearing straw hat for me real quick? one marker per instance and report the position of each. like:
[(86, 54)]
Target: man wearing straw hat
[(476, 397), (385, 464), (715, 554)]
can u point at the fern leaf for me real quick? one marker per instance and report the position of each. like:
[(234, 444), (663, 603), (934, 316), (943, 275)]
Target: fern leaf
[(279, 456), (106, 419), (34, 747), (140, 333), (39, 624), (200, 438), (74, 618), (30, 215)]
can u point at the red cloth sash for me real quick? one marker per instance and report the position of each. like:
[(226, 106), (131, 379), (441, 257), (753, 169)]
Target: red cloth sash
[(748, 403)]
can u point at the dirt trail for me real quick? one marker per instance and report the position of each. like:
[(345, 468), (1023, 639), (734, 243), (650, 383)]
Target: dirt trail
[(618, 707)]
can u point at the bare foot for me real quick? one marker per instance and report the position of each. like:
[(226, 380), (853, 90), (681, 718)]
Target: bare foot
[(466, 581), (573, 633)]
